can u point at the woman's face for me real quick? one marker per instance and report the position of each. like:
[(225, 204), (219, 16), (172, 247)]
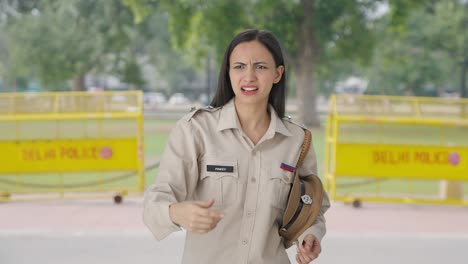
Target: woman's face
[(253, 72)]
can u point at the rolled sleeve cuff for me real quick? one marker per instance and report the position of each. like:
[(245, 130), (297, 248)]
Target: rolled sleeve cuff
[(158, 220), (318, 230)]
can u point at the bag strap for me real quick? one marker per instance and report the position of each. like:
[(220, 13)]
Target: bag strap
[(304, 150), (305, 147)]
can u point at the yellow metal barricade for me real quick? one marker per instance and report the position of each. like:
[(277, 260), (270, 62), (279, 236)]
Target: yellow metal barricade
[(71, 144), (397, 149)]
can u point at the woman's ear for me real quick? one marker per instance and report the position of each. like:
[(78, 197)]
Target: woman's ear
[(279, 73)]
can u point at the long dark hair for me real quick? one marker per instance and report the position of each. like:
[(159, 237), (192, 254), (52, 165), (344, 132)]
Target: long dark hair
[(277, 97)]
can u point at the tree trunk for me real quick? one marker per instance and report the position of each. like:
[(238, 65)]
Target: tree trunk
[(78, 83), (14, 86), (306, 61), (463, 93)]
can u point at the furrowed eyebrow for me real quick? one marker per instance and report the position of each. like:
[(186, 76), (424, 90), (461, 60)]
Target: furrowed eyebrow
[(255, 63)]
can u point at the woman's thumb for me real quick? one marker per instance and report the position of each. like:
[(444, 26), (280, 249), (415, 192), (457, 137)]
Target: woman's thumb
[(206, 204)]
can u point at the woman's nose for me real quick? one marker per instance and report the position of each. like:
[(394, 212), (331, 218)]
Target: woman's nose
[(250, 74)]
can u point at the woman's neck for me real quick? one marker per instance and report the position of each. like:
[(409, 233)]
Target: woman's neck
[(254, 119)]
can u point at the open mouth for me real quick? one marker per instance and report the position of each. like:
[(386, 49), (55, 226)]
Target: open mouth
[(249, 89)]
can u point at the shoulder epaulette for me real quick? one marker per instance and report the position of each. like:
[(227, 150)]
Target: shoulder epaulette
[(194, 110), (290, 120)]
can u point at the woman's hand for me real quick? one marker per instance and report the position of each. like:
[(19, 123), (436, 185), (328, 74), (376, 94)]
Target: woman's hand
[(195, 216), (309, 250)]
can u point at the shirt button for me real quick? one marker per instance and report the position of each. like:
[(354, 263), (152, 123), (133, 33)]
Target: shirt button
[(244, 242), (249, 213), (253, 179)]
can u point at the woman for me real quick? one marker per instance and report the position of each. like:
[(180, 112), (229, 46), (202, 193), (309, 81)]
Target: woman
[(222, 177)]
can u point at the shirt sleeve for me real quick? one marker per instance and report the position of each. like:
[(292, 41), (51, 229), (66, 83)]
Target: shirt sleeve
[(176, 180), (318, 229), (309, 167)]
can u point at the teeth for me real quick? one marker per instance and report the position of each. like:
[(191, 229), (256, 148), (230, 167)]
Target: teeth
[(249, 89)]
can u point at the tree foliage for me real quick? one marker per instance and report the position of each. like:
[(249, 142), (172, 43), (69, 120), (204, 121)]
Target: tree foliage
[(61, 40), (331, 29), (416, 46), (422, 58)]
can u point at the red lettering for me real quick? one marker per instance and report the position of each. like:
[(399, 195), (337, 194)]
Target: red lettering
[(404, 157), (420, 157), (27, 154), (378, 157), (90, 153), (74, 153), (426, 157), (50, 154), (389, 157), (441, 157), (37, 154), (86, 153), (63, 152)]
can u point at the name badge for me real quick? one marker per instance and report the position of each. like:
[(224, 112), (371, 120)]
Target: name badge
[(219, 168)]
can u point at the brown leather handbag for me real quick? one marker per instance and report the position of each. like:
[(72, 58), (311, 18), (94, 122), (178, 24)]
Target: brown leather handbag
[(304, 201)]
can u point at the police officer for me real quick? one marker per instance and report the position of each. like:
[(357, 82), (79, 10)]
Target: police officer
[(227, 169)]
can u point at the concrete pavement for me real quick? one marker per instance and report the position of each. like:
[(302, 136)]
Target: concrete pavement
[(98, 231)]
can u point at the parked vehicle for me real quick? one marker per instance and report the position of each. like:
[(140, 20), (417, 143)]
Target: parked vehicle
[(154, 98), (178, 98)]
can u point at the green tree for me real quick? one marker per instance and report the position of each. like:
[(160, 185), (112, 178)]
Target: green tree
[(314, 32), (61, 40), (299, 25), (422, 55), (172, 67)]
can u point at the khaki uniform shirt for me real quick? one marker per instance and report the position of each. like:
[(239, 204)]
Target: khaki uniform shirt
[(209, 156)]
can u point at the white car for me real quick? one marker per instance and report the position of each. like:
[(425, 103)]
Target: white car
[(178, 98), (154, 98)]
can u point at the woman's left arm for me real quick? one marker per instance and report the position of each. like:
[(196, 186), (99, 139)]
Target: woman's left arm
[(309, 241)]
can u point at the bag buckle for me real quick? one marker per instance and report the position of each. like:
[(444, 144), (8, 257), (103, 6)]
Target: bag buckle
[(306, 199)]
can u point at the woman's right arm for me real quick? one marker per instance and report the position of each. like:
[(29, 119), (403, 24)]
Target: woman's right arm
[(165, 205)]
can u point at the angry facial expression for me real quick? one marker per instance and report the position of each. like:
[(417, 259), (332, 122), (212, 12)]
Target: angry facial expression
[(252, 71)]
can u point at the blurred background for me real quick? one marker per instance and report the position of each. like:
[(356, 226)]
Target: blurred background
[(107, 52), (171, 50)]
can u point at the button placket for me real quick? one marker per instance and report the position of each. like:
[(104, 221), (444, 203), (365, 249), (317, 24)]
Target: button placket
[(254, 154), (250, 202)]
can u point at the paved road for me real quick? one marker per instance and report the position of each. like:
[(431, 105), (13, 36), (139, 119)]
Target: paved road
[(93, 232), (122, 248)]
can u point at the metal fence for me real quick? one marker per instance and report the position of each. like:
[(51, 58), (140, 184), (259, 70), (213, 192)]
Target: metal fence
[(71, 144), (397, 149)]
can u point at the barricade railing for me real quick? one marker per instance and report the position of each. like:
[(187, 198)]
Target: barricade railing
[(71, 144), (397, 149)]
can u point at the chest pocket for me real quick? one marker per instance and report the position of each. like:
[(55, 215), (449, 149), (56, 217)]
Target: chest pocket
[(279, 185), (218, 180)]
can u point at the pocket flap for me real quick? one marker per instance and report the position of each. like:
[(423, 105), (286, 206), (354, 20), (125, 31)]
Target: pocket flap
[(277, 172)]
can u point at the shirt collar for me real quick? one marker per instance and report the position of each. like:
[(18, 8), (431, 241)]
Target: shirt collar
[(277, 124), (228, 119)]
